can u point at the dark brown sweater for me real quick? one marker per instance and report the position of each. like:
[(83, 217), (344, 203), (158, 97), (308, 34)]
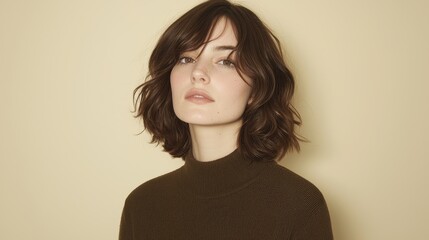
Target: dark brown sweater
[(230, 198)]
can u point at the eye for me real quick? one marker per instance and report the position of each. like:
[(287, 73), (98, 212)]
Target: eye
[(186, 60), (227, 63)]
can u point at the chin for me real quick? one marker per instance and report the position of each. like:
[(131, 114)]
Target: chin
[(201, 122), (193, 118)]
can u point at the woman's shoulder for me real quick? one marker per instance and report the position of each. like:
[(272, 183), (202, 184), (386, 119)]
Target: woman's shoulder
[(300, 198), (156, 187), (288, 184)]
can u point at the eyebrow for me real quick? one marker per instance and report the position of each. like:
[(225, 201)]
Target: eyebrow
[(224, 47), (219, 48)]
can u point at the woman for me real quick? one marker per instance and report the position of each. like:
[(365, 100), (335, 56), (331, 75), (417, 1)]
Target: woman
[(218, 95)]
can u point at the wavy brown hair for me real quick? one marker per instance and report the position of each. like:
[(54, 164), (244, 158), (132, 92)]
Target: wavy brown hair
[(269, 120)]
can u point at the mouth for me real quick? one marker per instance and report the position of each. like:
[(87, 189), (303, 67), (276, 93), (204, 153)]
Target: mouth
[(198, 96)]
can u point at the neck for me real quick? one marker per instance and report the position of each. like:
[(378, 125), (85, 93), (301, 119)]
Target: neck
[(213, 142)]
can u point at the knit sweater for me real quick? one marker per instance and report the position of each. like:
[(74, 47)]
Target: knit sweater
[(229, 198)]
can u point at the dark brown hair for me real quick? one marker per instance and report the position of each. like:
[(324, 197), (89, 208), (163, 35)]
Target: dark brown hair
[(269, 121)]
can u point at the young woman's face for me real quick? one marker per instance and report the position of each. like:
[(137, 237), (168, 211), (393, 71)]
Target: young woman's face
[(206, 88)]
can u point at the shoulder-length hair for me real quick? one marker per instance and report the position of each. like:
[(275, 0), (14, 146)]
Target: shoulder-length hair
[(269, 120)]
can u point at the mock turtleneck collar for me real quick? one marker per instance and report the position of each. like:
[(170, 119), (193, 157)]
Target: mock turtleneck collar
[(219, 177)]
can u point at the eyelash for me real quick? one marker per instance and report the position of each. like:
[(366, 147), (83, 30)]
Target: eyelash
[(224, 62), (227, 63), (185, 60)]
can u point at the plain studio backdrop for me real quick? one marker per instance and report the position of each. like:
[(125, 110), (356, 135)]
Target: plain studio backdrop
[(69, 153)]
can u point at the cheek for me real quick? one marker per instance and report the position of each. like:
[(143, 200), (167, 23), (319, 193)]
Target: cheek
[(175, 80), (236, 99), (173, 76), (178, 84), (240, 91), (245, 99)]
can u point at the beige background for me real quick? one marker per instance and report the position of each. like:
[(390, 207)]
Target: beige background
[(68, 150)]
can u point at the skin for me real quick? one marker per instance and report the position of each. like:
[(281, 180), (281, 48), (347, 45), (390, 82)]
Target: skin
[(210, 95)]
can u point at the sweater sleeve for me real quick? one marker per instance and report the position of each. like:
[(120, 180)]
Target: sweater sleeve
[(317, 226)]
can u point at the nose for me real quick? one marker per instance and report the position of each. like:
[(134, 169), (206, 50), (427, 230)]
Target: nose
[(199, 74)]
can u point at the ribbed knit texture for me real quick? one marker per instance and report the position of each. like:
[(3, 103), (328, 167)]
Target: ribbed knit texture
[(229, 198)]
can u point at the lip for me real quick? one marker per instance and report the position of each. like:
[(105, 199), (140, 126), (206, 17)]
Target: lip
[(198, 96)]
